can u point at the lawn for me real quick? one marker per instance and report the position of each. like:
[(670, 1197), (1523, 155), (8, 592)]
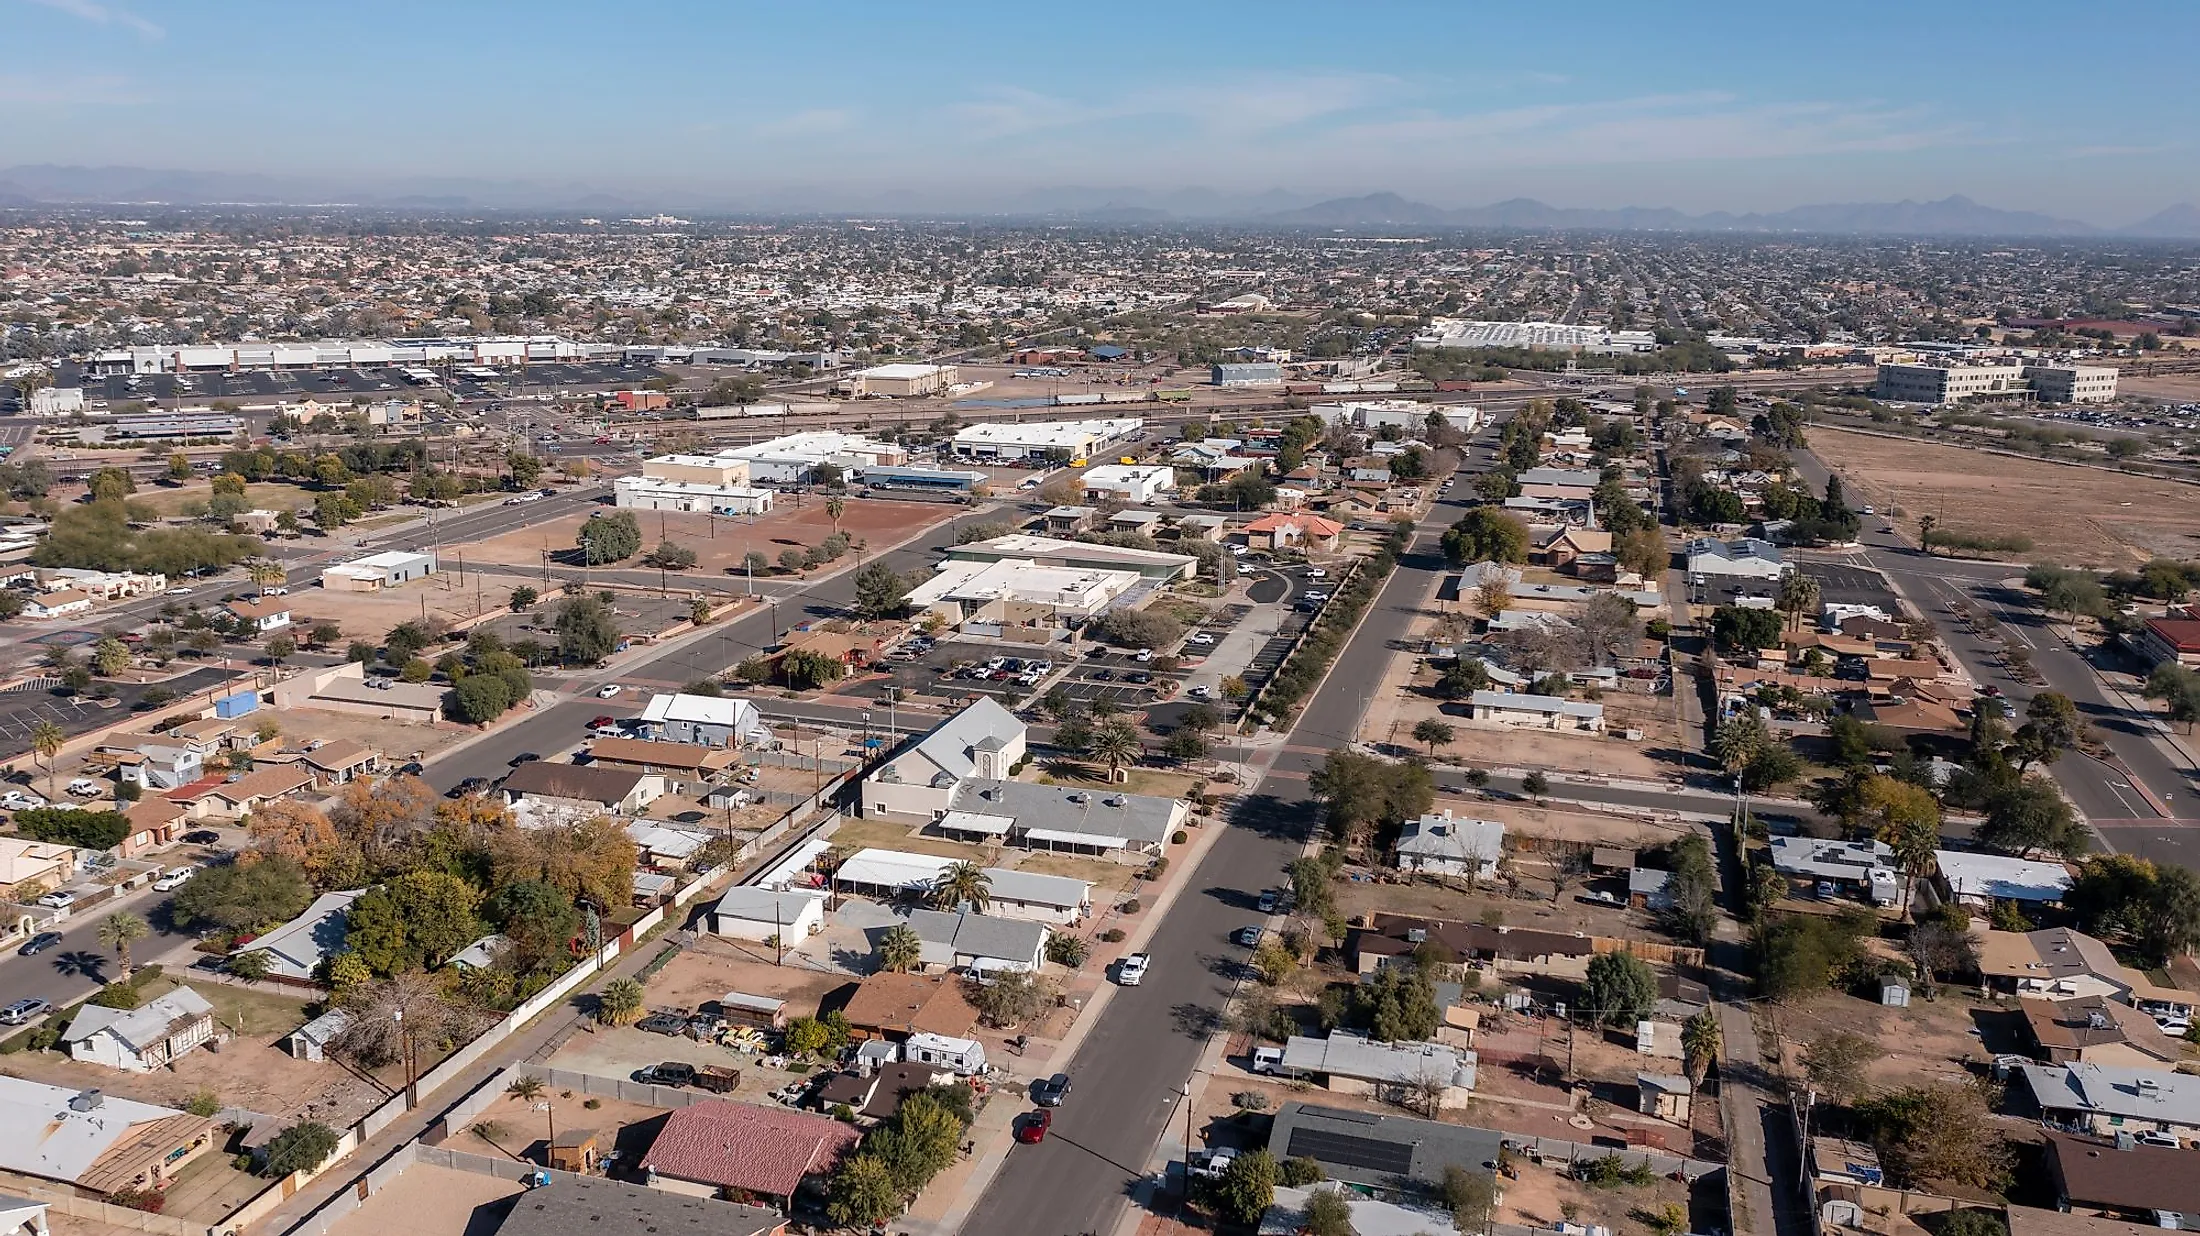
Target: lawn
[(249, 1013)]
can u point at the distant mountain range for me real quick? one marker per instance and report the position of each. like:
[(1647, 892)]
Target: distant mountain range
[(47, 184)]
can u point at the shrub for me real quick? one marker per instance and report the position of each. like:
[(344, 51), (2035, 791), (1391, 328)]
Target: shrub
[(1131, 906), (118, 995), (1113, 935), (300, 1148), (148, 1200), (1067, 950), (1180, 837), (44, 1038)]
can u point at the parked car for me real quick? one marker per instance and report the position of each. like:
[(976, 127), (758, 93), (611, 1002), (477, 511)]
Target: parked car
[(1143, 655), (669, 1073), (1316, 573), (1269, 900), (525, 757), (1268, 1060), (663, 1023), (39, 943), (1032, 1129), (1131, 971), (20, 800), (1049, 1092), (1202, 693), (471, 785), (202, 836), (61, 899), (1247, 936), (24, 1010), (1199, 638), (85, 787), (174, 878)]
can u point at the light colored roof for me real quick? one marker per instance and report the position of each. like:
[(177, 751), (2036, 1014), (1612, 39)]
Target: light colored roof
[(901, 370), (41, 1135), (1370, 1217), (1344, 1054), (1109, 475), (760, 905), (299, 945), (1047, 433), (1087, 814), (1842, 860), (666, 840), (482, 953), (2000, 876), (323, 1028), (2114, 1090), (699, 710), (1019, 545), (947, 747), (1440, 835), (1537, 703), (143, 1026), (977, 822), (981, 936)]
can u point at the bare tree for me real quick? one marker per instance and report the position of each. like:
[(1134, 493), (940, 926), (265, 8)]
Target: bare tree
[(1428, 1089), (1607, 625)]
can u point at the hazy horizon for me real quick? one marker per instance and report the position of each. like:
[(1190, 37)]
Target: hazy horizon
[(1725, 108)]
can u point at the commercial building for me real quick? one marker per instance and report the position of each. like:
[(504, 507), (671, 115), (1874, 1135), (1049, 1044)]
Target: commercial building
[(1016, 598), (719, 470), (97, 1142), (1532, 336), (791, 458), (2171, 639), (1954, 383), (644, 493), (1716, 567), (171, 427), (901, 381), (1128, 483), (376, 572), (56, 401), (1253, 374), (1071, 440), (918, 480), (1078, 555)]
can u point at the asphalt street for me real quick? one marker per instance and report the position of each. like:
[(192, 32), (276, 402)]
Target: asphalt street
[(2128, 816), (80, 964)]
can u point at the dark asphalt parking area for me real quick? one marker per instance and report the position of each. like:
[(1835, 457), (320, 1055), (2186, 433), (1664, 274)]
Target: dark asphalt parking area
[(1850, 585)]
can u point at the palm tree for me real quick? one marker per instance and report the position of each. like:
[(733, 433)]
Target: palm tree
[(47, 739), (960, 884), (1116, 742), (264, 575), (1798, 595), (1435, 734), (118, 931), (833, 507), (620, 1002), (1925, 528), (1701, 1042), (899, 949), (525, 1089)]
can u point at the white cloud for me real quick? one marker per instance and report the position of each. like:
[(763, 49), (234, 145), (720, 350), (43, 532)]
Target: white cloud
[(105, 15)]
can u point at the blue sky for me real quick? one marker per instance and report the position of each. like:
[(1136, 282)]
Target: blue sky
[(1698, 105)]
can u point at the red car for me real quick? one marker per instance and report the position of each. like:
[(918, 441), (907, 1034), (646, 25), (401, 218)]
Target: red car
[(1033, 1128)]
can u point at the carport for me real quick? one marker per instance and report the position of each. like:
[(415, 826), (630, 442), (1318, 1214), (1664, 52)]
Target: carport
[(1057, 841), (975, 826)]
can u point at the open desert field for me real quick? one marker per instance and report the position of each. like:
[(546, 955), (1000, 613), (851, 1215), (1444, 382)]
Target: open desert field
[(720, 543), (2102, 519)]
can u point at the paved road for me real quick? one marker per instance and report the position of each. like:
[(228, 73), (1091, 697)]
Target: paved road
[(2129, 817), (80, 964)]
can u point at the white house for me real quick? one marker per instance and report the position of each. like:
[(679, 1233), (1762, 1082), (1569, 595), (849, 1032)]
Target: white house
[(1982, 879), (57, 604), (1537, 712), (1352, 1064), (98, 1142), (887, 874), (979, 942), (706, 720), (982, 742), (151, 1036), (375, 572), (749, 913), (1133, 484), (262, 614), (1441, 844), (296, 949)]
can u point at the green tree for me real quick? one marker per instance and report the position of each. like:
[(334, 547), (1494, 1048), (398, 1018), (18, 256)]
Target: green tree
[(523, 598), (300, 1148), (179, 467), (960, 884), (880, 591), (1536, 785), (119, 931), (671, 557), (1838, 1062), (281, 648), (588, 631), (1486, 534), (1798, 597), (621, 1002), (2052, 726), (1115, 742), (1739, 629), (863, 1194), (2030, 815), (1620, 988), (1327, 1214), (807, 1036), (47, 740), (609, 538), (1246, 1188), (1941, 1133), (110, 657), (1905, 817), (899, 949), (1433, 734), (1701, 1040)]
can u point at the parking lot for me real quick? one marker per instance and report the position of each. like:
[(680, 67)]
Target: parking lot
[(387, 382), (1843, 583)]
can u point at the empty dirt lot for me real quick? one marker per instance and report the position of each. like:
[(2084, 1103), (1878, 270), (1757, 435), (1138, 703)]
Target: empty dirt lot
[(2100, 519), (790, 526)]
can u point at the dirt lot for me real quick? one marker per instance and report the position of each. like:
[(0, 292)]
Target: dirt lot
[(432, 1201), (2104, 519), (877, 521), (251, 1071), (1542, 1197), (366, 615), (265, 495), (1923, 1043), (1489, 746)]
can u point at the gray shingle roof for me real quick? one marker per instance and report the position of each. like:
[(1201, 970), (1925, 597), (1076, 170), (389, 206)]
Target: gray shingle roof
[(1419, 1149), (1140, 818), (589, 1206)]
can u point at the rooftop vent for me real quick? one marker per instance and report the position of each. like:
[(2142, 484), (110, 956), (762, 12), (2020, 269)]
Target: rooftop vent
[(1416, 935), (86, 1100)]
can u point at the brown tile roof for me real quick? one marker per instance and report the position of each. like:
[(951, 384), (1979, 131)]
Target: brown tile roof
[(763, 1150), (641, 753), (264, 783), (339, 755), (2094, 1174), (903, 1003), (587, 784), (2095, 1021)]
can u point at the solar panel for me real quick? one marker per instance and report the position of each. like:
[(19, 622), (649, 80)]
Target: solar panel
[(1346, 1150)]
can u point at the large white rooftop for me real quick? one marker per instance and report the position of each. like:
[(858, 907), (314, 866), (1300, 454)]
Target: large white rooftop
[(1048, 433)]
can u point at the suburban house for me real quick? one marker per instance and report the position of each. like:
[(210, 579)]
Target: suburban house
[(26, 865), (2059, 963), (1307, 533), (331, 763), (1069, 520), (1979, 880), (712, 721), (296, 949), (2154, 1186), (982, 742), (578, 1205), (151, 1036), (1385, 939), (1291, 1212), (1440, 844), (97, 1142), (877, 1096), (1200, 528), (718, 1147), (154, 822), (209, 798), (261, 614), (1389, 1156), (677, 762), (1863, 868), (2098, 1030), (2107, 1099), (61, 604), (1393, 1072), (1536, 712), (1074, 821), (978, 942), (889, 875), (895, 1006), (162, 761), (618, 790), (750, 913)]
